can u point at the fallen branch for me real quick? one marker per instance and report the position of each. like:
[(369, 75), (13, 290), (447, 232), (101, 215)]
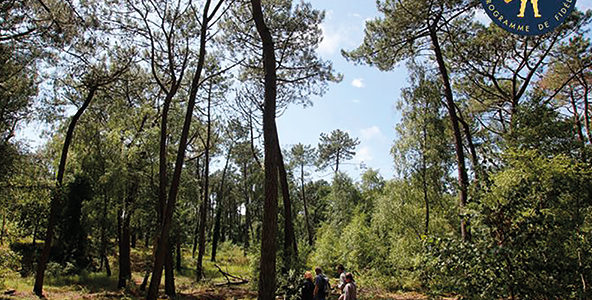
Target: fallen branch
[(228, 277)]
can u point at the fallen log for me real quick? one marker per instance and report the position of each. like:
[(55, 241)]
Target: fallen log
[(228, 277)]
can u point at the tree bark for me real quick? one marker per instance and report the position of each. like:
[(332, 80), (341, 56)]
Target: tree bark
[(337, 162), (196, 231), (206, 192), (425, 180), (308, 227), (587, 111), (125, 271), (576, 117), (57, 195), (458, 146), (107, 268), (216, 233), (179, 257), (290, 246), (134, 238), (247, 226), (125, 268), (472, 150), (4, 228), (35, 230), (267, 282), (104, 234), (174, 189), (169, 278)]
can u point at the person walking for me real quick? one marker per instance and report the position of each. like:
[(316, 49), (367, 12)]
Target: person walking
[(307, 287), (322, 287), (341, 271), (350, 289)]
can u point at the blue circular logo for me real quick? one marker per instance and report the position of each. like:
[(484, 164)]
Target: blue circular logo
[(528, 17)]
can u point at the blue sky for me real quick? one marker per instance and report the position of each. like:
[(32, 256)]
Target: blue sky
[(362, 104)]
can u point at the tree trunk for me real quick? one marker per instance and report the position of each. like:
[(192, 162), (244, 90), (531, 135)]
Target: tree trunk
[(125, 215), (290, 247), (247, 226), (174, 189), (179, 257), (196, 231), (576, 117), (195, 237), (145, 280), (107, 267), (269, 235), (103, 250), (471, 146), (337, 162), (587, 112), (308, 227), (425, 180), (206, 189), (162, 178), (57, 195), (253, 140), (134, 238), (125, 271), (216, 233), (169, 273), (458, 146), (35, 230), (4, 229)]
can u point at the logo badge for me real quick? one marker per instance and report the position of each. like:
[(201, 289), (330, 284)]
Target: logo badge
[(528, 17)]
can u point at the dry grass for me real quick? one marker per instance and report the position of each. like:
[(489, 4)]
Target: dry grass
[(99, 286)]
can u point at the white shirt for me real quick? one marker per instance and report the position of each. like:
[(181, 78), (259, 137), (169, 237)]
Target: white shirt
[(341, 281), (349, 292)]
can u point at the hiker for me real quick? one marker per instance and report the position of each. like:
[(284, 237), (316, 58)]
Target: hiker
[(322, 287), (350, 289), (341, 271), (307, 286)]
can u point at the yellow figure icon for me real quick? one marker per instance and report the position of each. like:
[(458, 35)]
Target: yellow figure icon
[(535, 7)]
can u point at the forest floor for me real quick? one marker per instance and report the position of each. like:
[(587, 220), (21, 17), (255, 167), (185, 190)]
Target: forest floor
[(98, 285)]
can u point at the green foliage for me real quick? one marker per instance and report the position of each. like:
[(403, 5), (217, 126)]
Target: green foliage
[(72, 242), (10, 263), (399, 224), (531, 231), (538, 126), (402, 31), (343, 200), (336, 147), (290, 286)]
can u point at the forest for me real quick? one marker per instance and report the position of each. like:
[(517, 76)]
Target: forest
[(162, 174)]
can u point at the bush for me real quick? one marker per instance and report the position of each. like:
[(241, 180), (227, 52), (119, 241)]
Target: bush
[(10, 263), (530, 233), (290, 286)]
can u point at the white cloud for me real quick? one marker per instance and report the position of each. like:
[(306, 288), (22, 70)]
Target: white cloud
[(331, 42), (372, 133), (356, 101), (358, 82), (363, 155)]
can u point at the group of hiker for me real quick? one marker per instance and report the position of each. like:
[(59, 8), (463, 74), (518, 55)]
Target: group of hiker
[(320, 288)]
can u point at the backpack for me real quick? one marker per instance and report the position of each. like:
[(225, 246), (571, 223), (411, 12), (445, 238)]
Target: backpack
[(327, 286)]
